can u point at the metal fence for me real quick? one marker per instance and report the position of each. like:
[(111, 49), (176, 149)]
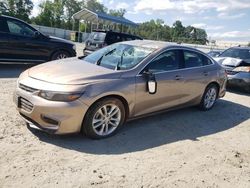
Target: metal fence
[(61, 33), (66, 34)]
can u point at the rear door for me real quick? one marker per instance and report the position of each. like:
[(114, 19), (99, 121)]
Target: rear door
[(4, 40), (197, 73)]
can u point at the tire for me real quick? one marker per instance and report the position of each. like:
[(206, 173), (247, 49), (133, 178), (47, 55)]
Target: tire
[(99, 124), (209, 97), (60, 55)]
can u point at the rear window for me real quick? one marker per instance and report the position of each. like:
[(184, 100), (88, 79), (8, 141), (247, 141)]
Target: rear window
[(97, 36)]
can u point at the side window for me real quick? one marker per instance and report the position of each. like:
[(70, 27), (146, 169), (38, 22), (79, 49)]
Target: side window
[(3, 25), (19, 28), (167, 61), (194, 59), (206, 61)]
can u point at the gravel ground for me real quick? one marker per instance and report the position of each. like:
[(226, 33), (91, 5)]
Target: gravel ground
[(184, 148)]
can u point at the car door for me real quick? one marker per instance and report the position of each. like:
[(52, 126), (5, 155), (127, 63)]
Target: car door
[(166, 69), (197, 74), (23, 45), (4, 40)]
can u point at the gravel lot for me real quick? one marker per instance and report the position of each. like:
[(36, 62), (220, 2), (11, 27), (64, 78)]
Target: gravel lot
[(184, 148)]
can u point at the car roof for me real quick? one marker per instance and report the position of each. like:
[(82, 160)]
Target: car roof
[(241, 48), (10, 17), (152, 44), (115, 32)]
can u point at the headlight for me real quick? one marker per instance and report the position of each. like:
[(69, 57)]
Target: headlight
[(242, 69), (56, 96), (74, 47)]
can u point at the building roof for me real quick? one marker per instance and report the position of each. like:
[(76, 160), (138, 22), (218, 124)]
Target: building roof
[(98, 17)]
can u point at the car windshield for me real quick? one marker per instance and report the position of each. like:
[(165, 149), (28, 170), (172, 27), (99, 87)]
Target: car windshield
[(119, 56), (236, 53), (97, 36)]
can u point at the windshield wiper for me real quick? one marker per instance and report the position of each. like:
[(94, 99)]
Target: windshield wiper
[(108, 53), (119, 64)]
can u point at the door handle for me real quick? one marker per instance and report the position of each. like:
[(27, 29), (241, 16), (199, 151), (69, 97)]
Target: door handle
[(178, 77), (205, 73)]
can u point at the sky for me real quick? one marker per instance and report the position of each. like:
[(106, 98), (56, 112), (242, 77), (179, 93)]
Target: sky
[(227, 20)]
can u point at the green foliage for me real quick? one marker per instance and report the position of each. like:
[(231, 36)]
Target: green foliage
[(94, 5), (17, 8), (118, 13), (58, 13), (249, 44)]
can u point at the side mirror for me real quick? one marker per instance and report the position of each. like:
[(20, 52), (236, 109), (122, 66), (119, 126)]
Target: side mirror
[(151, 82), (37, 34)]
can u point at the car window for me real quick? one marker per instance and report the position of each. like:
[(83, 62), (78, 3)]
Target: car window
[(194, 59), (167, 61), (121, 56), (236, 53), (19, 28), (3, 25)]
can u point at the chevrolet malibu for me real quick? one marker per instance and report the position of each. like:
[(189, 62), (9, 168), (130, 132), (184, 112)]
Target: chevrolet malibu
[(96, 94)]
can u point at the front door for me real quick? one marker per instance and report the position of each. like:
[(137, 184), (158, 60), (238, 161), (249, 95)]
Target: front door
[(166, 69)]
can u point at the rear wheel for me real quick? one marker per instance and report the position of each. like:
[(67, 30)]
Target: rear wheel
[(209, 97), (60, 55), (104, 118)]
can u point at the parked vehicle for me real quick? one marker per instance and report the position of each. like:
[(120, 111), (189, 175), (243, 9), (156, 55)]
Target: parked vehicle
[(99, 39), (20, 42), (97, 94), (236, 61), (214, 53)]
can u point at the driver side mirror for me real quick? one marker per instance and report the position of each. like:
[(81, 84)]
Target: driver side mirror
[(151, 82), (36, 34)]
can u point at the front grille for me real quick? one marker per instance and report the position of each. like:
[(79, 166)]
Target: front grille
[(25, 105), (229, 72), (27, 88)]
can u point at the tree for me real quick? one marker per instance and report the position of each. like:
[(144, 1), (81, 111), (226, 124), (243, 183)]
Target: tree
[(71, 7), (17, 8), (178, 31), (46, 15), (118, 13), (249, 44), (95, 6)]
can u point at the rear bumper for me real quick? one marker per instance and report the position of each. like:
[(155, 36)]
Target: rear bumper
[(241, 79)]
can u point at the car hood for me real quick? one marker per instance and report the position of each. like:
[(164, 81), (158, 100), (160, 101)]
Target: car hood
[(56, 39), (71, 71), (228, 61), (231, 62)]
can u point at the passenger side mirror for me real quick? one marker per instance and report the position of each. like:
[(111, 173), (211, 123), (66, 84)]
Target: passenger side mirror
[(151, 82)]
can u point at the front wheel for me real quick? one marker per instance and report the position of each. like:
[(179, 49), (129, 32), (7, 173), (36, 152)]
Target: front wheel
[(209, 97), (104, 118), (60, 55)]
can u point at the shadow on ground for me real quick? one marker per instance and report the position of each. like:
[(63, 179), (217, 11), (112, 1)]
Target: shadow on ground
[(157, 130), (13, 70)]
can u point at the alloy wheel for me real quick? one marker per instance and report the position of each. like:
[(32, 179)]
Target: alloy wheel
[(106, 119)]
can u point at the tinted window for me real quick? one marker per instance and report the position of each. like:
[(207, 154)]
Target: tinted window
[(194, 59), (167, 61), (97, 36), (19, 28), (3, 25)]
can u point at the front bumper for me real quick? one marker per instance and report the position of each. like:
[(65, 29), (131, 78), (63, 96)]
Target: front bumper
[(50, 116)]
